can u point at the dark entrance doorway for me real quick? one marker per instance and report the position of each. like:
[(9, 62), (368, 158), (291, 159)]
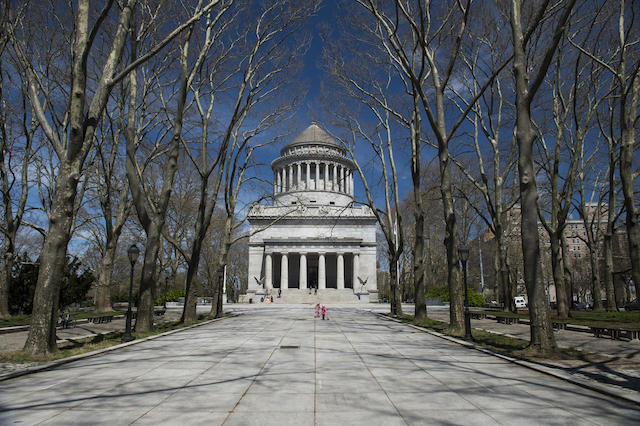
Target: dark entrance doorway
[(312, 270)]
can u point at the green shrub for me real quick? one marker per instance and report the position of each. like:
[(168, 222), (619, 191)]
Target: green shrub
[(442, 292), (475, 299), (172, 296)]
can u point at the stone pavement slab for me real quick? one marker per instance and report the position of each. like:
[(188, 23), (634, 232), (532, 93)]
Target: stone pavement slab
[(277, 365)]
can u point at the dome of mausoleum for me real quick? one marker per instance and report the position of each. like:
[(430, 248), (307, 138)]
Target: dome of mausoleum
[(313, 169)]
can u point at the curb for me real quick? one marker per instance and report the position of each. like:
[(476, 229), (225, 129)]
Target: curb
[(550, 371), (54, 364)]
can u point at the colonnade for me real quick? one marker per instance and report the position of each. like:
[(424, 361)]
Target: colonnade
[(322, 270), (297, 176)]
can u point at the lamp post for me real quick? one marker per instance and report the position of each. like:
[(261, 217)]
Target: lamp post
[(463, 252), (133, 252)]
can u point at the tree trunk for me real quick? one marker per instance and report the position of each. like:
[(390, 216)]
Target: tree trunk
[(627, 145), (42, 333), (146, 292), (189, 314), (498, 284), (5, 279), (103, 290), (542, 338), (420, 301), (612, 305), (595, 279), (5, 273), (505, 277), (456, 302), (395, 300), (558, 276)]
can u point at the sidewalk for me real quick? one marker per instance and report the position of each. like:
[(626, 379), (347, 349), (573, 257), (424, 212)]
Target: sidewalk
[(280, 366), (612, 362)]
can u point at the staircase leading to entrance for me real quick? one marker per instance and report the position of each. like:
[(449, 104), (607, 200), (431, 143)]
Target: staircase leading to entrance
[(329, 295)]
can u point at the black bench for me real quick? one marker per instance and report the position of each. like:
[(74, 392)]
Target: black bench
[(559, 325), (478, 315), (101, 320), (616, 333), (507, 320)]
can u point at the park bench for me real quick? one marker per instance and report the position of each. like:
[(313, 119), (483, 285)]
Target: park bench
[(159, 311), (507, 320), (65, 321), (101, 320), (616, 333), (478, 315), (559, 325)]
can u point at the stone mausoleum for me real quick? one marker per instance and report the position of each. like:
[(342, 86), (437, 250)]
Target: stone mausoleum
[(312, 243)]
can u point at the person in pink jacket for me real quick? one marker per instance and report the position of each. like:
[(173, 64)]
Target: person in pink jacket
[(317, 310), (324, 311)]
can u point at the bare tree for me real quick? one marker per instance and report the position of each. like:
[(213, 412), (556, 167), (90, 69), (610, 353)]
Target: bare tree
[(152, 211), (112, 193), (491, 169), (621, 59), (258, 68), (366, 106), (70, 126), (17, 133), (528, 80)]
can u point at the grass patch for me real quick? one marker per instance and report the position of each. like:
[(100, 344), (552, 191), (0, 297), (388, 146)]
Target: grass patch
[(622, 319), (586, 318), (26, 319), (499, 343), (81, 346)]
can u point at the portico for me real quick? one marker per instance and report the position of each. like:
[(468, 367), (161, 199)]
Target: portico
[(313, 242)]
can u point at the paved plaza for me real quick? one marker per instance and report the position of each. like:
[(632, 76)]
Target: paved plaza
[(277, 365)]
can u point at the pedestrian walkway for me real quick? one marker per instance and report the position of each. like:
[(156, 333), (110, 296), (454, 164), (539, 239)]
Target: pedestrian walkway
[(277, 365)]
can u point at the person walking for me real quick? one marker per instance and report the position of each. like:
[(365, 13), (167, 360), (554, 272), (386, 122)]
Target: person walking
[(317, 310), (324, 312)]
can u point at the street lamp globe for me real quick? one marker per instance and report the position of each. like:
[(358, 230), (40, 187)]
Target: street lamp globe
[(133, 252)]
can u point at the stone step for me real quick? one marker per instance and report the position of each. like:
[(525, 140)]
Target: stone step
[(329, 295)]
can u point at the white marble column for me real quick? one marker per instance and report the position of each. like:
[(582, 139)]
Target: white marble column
[(356, 270), (290, 180), (322, 276), (281, 180), (308, 179), (303, 271), (350, 182), (347, 188), (341, 186), (284, 272), (317, 179), (326, 176), (276, 182), (340, 269), (299, 184), (334, 184), (268, 277)]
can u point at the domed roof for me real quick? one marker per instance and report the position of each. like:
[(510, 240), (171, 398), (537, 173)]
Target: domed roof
[(313, 135)]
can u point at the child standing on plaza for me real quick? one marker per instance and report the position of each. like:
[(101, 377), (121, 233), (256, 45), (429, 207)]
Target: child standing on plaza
[(324, 312), (317, 310)]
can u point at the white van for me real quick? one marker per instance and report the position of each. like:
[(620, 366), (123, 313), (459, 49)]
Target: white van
[(520, 302)]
